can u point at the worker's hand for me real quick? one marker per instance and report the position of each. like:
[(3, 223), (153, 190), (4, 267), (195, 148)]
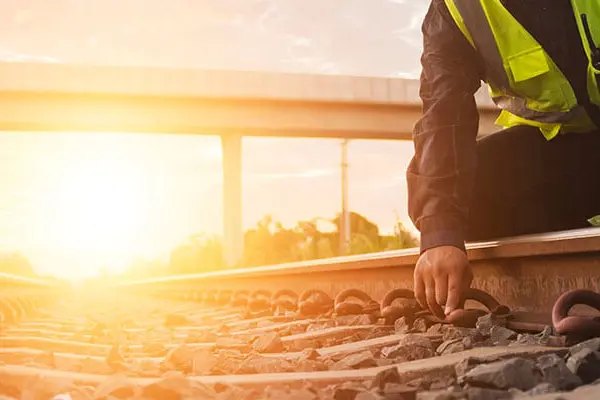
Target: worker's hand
[(441, 277)]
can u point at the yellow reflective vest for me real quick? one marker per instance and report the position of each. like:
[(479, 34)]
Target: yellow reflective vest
[(523, 80)]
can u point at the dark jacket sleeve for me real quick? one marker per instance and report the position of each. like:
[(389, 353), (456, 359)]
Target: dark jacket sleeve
[(440, 175)]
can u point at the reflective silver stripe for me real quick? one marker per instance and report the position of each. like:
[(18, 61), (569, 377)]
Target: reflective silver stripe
[(518, 106), (477, 24)]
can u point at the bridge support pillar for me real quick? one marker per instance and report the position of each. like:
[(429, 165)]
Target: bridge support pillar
[(233, 243)]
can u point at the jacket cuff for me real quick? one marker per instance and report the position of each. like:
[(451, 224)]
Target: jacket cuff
[(433, 239), (441, 230)]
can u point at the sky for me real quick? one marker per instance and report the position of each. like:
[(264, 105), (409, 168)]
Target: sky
[(74, 202)]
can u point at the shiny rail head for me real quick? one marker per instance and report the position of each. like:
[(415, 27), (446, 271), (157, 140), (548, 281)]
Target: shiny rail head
[(556, 243), (9, 279)]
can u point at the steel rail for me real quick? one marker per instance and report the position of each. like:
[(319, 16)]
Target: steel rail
[(21, 295), (529, 271), (547, 244), (11, 279)]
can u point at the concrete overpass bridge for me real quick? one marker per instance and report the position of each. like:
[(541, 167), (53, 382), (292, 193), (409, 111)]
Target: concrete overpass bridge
[(231, 104)]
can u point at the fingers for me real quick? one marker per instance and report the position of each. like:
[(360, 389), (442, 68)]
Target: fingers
[(419, 286), (441, 277), (455, 289), (430, 294), (441, 289)]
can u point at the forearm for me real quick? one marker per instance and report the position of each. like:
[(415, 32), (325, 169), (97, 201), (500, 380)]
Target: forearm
[(442, 170), (441, 173)]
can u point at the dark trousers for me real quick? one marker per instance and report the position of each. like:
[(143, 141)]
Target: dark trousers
[(526, 184)]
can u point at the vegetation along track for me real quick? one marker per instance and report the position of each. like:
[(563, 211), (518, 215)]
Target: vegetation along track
[(344, 328)]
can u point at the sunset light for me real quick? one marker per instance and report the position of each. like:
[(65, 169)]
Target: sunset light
[(102, 206), (78, 204), (299, 200)]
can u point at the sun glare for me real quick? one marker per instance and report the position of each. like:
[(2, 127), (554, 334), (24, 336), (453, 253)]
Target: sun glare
[(101, 210)]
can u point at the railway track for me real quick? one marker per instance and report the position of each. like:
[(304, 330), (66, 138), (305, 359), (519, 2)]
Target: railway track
[(343, 328)]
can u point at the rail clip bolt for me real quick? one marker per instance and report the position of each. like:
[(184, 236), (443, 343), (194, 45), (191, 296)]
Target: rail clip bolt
[(259, 301), (240, 298), (467, 318), (314, 302), (366, 304), (407, 308), (284, 300), (576, 328)]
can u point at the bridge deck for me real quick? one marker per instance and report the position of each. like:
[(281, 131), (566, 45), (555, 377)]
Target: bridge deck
[(51, 97)]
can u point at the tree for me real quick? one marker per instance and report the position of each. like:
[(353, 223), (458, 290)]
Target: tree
[(201, 253), (367, 231), (269, 242), (17, 264)]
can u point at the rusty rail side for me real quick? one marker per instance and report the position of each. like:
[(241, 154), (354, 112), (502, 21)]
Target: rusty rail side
[(522, 272), (550, 244)]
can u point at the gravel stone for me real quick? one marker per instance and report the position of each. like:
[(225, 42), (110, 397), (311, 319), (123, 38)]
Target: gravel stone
[(543, 338), (235, 393), (177, 388), (232, 343), (442, 383), (420, 325), (410, 347), (526, 339), (542, 388), (310, 366), (116, 386), (585, 363), (484, 324), (501, 335), (476, 393), (317, 326), (555, 372), (345, 393), (384, 362), (363, 359), (368, 396), (465, 365), (265, 365), (592, 344), (589, 392), (179, 358), (269, 343), (396, 391), (414, 339), (203, 362), (174, 320), (402, 353), (384, 377), (401, 326), (423, 383), (154, 349), (309, 354), (302, 394), (42, 388), (517, 372), (226, 364), (303, 344), (437, 329), (364, 319), (453, 346), (459, 333), (346, 320), (441, 395)]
